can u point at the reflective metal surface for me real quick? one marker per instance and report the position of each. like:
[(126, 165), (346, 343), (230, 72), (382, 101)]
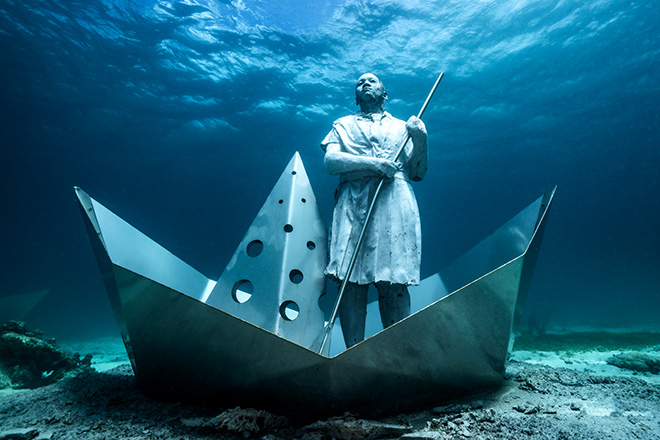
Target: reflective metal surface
[(455, 343), (275, 278), (15, 307)]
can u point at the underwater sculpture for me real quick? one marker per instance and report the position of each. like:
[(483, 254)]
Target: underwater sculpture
[(376, 236), (251, 337), (16, 307)]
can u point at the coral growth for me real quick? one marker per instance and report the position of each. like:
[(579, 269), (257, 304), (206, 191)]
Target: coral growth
[(28, 360)]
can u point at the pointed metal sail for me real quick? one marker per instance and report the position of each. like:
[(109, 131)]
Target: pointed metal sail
[(275, 278), (228, 343)]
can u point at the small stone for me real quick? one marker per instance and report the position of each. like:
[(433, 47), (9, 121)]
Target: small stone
[(19, 434), (245, 422), (350, 428), (531, 410), (488, 415), (422, 435), (196, 422), (452, 409), (636, 361)]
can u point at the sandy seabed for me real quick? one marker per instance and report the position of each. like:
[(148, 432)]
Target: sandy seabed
[(562, 391)]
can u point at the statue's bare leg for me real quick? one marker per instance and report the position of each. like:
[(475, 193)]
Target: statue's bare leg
[(393, 302), (353, 313)]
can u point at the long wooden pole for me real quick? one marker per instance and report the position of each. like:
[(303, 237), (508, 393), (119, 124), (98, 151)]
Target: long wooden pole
[(331, 323)]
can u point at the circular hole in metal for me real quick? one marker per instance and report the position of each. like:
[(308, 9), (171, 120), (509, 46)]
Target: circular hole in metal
[(311, 245), (293, 172), (281, 201), (288, 228), (289, 310), (304, 200), (254, 248), (242, 291), (296, 276)]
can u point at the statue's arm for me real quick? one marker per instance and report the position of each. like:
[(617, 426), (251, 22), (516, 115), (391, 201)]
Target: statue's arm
[(418, 156), (338, 162)]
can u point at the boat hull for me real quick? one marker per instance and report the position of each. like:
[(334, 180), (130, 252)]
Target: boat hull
[(455, 343)]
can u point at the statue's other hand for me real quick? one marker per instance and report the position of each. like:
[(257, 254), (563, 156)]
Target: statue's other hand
[(387, 168), (415, 127)]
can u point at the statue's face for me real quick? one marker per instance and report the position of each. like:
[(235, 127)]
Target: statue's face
[(369, 88)]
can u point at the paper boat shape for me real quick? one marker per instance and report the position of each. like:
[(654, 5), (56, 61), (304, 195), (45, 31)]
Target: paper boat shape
[(16, 307), (250, 337)]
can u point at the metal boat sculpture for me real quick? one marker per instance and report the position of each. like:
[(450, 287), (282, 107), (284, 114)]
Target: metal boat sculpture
[(16, 307), (251, 338)]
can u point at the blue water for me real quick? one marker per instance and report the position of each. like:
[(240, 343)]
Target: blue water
[(180, 117)]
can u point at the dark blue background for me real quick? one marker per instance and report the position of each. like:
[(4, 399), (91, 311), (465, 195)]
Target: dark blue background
[(181, 117)]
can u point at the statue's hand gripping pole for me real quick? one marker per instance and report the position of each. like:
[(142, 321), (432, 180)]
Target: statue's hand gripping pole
[(331, 323)]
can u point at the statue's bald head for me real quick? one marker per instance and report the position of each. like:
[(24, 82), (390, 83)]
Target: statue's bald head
[(370, 90)]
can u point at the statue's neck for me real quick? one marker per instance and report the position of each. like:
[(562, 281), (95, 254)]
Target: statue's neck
[(371, 107)]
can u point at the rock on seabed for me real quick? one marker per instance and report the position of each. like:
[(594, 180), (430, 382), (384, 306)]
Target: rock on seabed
[(29, 360)]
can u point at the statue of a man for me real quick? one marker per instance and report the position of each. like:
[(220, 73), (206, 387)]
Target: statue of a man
[(361, 149)]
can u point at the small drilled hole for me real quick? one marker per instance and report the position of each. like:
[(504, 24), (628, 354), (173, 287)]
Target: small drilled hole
[(303, 200), (242, 291), (293, 172), (296, 276), (288, 228), (254, 248), (311, 245), (280, 201), (289, 310)]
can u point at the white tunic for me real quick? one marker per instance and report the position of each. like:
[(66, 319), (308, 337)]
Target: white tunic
[(391, 250)]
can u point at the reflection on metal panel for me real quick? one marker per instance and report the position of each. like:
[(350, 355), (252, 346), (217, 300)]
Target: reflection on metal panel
[(129, 248), (505, 244), (187, 339), (15, 307), (275, 278)]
